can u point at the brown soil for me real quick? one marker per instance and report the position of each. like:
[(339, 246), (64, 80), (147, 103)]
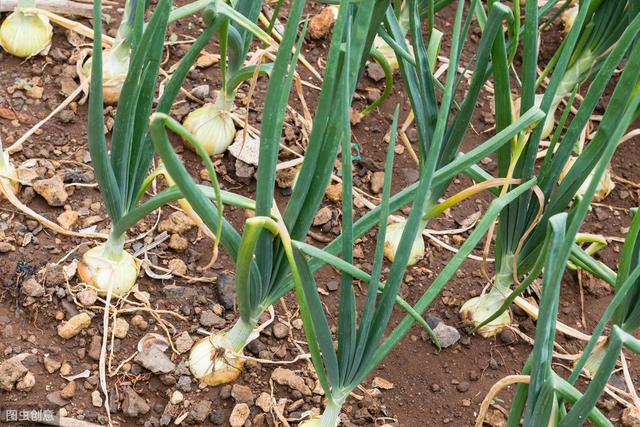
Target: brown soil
[(427, 383)]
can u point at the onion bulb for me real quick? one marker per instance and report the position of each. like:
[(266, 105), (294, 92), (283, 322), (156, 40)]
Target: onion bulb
[(311, 422), (115, 66), (595, 359), (392, 241), (568, 17), (99, 270), (478, 309), (212, 126), (8, 173), (605, 186), (387, 51), (25, 34), (213, 363)]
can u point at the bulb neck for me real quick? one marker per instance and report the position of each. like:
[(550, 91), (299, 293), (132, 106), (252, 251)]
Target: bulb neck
[(224, 101), (114, 247), (331, 414), (238, 336), (504, 277)]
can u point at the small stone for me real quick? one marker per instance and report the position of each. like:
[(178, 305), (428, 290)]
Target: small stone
[(381, 383), (446, 335), (463, 387), (201, 410), (6, 247), (375, 71), (155, 360), (217, 417), (178, 243), (139, 322), (264, 402), (177, 266), (73, 326), (242, 394), (57, 399), (52, 189), (184, 342), (32, 288), (297, 324), (120, 328), (239, 415), (334, 193), (54, 275), (206, 59), (177, 223), (226, 287), (321, 24), (209, 319), (68, 219), (68, 391), (51, 365), (507, 337), (95, 347), (87, 297), (244, 170), (27, 382), (289, 378), (333, 285), (66, 116), (377, 182), (35, 92), (201, 91), (323, 216), (133, 405), (631, 417), (96, 399), (176, 398), (435, 388), (280, 330)]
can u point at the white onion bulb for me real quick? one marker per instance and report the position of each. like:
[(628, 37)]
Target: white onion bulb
[(605, 186), (211, 362), (25, 34), (96, 270), (392, 241), (478, 309), (8, 172), (115, 66), (212, 126)]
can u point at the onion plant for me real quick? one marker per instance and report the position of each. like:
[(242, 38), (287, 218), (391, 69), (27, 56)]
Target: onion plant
[(122, 171), (522, 227)]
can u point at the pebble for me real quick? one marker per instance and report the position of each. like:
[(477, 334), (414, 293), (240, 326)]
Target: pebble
[(52, 189), (242, 394), (226, 287), (87, 297), (133, 405), (323, 216), (177, 223), (375, 71), (120, 328), (201, 91), (27, 382), (32, 288), (321, 24), (68, 219), (6, 247), (201, 410), (96, 399), (54, 275), (463, 387), (178, 243), (177, 266), (280, 330), (217, 417), (446, 335), (435, 388), (176, 398), (209, 319), (239, 415), (184, 342), (507, 336), (631, 417), (11, 371), (68, 391), (51, 365), (333, 285), (139, 322), (56, 399), (289, 378), (155, 360), (73, 326), (264, 402), (377, 182), (334, 193), (95, 347)]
